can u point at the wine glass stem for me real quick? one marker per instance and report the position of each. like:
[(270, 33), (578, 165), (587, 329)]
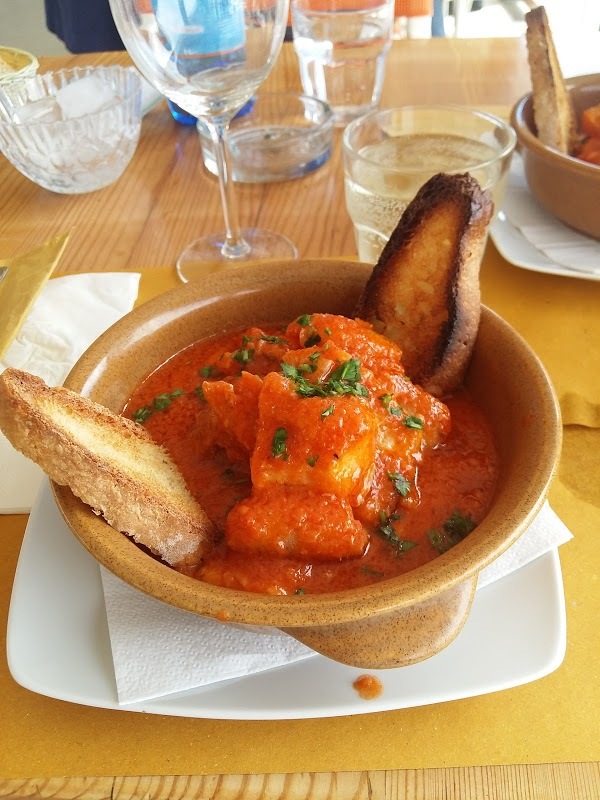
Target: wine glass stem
[(234, 245)]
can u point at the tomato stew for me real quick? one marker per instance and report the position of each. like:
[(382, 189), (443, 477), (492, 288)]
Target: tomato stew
[(321, 463)]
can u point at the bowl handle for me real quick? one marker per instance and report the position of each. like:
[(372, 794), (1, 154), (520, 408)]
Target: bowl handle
[(396, 639)]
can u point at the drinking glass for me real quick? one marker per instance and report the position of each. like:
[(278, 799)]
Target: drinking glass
[(209, 57), (390, 154), (342, 47)]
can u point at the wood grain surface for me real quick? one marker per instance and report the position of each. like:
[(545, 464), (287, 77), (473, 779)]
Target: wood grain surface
[(164, 200), (512, 782)]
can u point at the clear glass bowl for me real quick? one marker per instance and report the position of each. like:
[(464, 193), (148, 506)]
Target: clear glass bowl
[(277, 136), (76, 154)]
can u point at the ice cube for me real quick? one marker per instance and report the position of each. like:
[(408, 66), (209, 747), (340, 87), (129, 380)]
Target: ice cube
[(44, 110), (85, 96)]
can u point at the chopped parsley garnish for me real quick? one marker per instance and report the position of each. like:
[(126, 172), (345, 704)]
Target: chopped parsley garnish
[(387, 532), (207, 371), (278, 444), (453, 531), (414, 422), (160, 403), (273, 339), (345, 379), (312, 460), (304, 320), (347, 371), (327, 331), (290, 371), (386, 400), (370, 571), (243, 356), (307, 367), (199, 392), (459, 524), (327, 412), (142, 414), (300, 591), (312, 340), (401, 484)]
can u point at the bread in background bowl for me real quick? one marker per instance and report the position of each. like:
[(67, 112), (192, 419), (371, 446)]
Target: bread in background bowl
[(392, 623), (564, 185)]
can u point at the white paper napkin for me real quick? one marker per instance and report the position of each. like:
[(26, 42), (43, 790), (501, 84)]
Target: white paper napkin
[(69, 314), (545, 533), (158, 650), (558, 242)]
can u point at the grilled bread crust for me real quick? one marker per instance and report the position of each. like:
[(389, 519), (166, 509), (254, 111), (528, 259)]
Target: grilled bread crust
[(109, 462), (553, 111), (424, 293)]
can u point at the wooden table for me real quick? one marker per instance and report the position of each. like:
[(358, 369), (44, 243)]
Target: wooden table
[(166, 199)]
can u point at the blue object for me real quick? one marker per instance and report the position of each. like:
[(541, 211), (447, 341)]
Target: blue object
[(180, 115), (185, 118), (437, 20)]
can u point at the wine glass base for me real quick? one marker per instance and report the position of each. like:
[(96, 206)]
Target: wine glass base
[(205, 256)]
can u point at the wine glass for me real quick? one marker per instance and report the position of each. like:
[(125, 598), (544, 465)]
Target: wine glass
[(209, 57)]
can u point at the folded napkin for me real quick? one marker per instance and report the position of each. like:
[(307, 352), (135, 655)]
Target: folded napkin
[(158, 650), (68, 315), (556, 241)]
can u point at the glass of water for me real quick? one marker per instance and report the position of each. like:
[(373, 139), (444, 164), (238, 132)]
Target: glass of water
[(342, 47), (209, 57), (390, 154)]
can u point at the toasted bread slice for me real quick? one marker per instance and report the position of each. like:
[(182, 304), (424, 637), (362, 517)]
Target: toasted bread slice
[(424, 293), (110, 462), (553, 111)]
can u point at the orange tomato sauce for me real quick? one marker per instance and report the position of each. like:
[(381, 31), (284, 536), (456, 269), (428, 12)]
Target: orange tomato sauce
[(321, 464), (589, 148), (368, 687)]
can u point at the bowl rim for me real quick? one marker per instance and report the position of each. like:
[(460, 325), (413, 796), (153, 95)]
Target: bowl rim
[(351, 152), (420, 584), (550, 154), (27, 70)]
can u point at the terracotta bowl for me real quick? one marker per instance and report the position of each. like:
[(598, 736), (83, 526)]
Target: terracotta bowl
[(392, 623), (565, 186)]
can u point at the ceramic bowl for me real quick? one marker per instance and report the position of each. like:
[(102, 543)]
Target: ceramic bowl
[(565, 186), (389, 624)]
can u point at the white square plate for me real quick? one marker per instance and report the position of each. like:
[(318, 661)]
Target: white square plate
[(514, 247), (58, 643), (520, 205)]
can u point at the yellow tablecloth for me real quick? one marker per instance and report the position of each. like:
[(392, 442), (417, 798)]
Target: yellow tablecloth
[(553, 719)]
